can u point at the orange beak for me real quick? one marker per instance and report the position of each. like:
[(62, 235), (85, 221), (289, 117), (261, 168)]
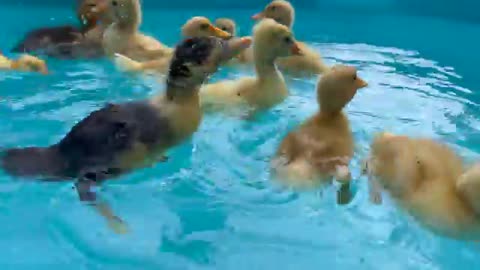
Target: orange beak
[(361, 83), (295, 50), (217, 32), (258, 16)]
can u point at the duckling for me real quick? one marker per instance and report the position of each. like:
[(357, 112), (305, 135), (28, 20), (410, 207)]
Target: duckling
[(270, 41), (321, 148), (308, 64), (229, 26), (118, 138), (195, 27), (69, 41), (25, 62), (428, 180), (123, 36)]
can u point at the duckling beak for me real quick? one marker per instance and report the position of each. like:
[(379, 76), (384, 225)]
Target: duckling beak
[(360, 83), (295, 50), (258, 16), (217, 32)]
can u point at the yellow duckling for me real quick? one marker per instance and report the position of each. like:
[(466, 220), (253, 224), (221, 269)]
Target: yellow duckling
[(429, 181), (270, 41), (195, 27), (310, 63), (123, 36), (321, 148), (25, 62), (229, 26)]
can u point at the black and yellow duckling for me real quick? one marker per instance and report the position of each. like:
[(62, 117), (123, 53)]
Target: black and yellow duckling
[(121, 137), (70, 41)]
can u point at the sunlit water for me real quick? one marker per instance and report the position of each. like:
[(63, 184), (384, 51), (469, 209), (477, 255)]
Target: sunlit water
[(213, 206)]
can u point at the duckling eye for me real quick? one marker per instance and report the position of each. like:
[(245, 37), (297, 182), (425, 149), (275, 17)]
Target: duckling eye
[(288, 40), (204, 26), (224, 28), (272, 8), (355, 77), (114, 3), (92, 5)]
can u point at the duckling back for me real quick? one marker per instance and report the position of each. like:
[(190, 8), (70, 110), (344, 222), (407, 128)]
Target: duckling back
[(321, 142), (42, 39), (309, 63), (421, 175)]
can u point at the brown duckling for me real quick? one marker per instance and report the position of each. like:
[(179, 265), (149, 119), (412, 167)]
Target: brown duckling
[(321, 148), (118, 138), (308, 64), (69, 41), (428, 180)]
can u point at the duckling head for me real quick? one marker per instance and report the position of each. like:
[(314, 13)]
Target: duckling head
[(227, 25), (337, 87), (89, 12), (202, 27), (280, 10), (272, 40), (195, 59), (126, 13)]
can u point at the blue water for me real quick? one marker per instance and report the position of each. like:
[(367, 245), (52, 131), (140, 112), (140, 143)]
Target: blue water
[(212, 206)]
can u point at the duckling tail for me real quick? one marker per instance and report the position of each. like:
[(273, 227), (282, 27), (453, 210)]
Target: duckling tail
[(32, 161), (126, 64), (5, 63)]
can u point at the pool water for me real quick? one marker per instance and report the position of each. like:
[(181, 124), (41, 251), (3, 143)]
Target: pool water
[(213, 206)]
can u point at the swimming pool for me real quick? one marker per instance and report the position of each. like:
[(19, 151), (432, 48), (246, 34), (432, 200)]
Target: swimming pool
[(212, 205)]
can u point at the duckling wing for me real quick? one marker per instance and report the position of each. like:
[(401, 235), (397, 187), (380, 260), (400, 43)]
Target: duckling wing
[(105, 135)]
